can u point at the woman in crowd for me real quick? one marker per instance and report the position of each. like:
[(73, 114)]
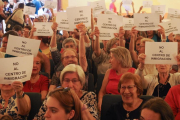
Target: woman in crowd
[(13, 101), (37, 83), (63, 104), (73, 76), (156, 109), (130, 88), (158, 85), (173, 99), (100, 56), (121, 62)]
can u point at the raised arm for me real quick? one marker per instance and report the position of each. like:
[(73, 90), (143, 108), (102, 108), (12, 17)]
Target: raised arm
[(161, 33), (121, 37), (23, 101), (133, 7), (82, 50), (171, 37), (97, 43), (140, 9), (120, 9), (131, 46)]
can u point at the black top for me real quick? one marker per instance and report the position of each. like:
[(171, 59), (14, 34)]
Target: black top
[(30, 5), (161, 89), (117, 112)]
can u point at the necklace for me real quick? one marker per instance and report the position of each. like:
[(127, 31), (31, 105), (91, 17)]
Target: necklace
[(32, 85), (127, 115)]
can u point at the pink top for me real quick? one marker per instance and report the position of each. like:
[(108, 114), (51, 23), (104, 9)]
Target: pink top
[(173, 99), (41, 85), (113, 80), (112, 6)]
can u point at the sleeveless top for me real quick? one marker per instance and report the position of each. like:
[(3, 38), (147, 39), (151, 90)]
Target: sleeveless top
[(113, 80)]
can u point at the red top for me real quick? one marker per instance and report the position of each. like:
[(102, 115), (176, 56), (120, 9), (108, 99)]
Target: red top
[(113, 80), (173, 99), (41, 85), (112, 6)]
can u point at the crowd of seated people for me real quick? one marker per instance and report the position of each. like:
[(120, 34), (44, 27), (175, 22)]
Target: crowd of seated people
[(65, 63)]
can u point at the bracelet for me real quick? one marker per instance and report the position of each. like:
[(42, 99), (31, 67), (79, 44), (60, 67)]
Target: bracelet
[(53, 49), (20, 96)]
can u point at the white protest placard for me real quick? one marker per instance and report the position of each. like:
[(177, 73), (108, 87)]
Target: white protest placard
[(29, 10), (109, 23), (43, 29), (78, 15), (127, 2), (62, 21), (162, 52), (128, 23), (171, 26), (97, 6), (72, 3), (159, 9), (147, 4), (173, 13), (15, 69), (20, 46), (146, 21), (50, 4), (106, 36)]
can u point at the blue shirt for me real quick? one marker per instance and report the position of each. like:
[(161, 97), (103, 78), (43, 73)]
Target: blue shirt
[(37, 4)]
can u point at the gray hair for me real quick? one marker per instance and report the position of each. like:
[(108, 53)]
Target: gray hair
[(123, 56), (68, 40), (110, 44), (73, 68)]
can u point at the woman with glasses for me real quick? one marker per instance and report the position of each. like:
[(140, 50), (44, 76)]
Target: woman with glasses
[(156, 109), (121, 63), (130, 88), (73, 76), (63, 104), (101, 56)]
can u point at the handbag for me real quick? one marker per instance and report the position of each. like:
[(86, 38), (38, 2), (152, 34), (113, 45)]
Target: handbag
[(11, 23)]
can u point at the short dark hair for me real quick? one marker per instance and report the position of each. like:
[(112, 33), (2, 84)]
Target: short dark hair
[(158, 105), (10, 32), (5, 1), (17, 28), (28, 27), (21, 5)]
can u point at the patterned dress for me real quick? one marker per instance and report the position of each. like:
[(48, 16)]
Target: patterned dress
[(11, 108), (88, 98)]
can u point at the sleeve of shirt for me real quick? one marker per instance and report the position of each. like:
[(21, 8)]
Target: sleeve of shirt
[(171, 100), (55, 80), (98, 60), (44, 84)]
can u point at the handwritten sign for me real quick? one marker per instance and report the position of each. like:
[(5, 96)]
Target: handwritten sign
[(98, 6), (62, 20), (20, 46), (127, 2), (173, 13), (147, 4), (128, 23), (109, 23), (72, 3), (29, 10), (171, 26), (78, 15), (50, 4), (15, 69), (162, 52), (159, 9), (43, 29), (106, 36), (145, 22)]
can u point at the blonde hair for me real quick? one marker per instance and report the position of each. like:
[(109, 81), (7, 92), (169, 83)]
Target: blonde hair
[(146, 40), (123, 56), (110, 44), (71, 68)]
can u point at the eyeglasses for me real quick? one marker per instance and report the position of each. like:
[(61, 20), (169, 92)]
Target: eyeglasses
[(130, 87), (74, 81), (67, 57)]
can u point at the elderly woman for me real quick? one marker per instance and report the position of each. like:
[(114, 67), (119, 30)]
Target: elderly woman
[(156, 109), (121, 62), (101, 56), (69, 56), (130, 88), (158, 85), (13, 101), (73, 76), (65, 104), (38, 83)]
